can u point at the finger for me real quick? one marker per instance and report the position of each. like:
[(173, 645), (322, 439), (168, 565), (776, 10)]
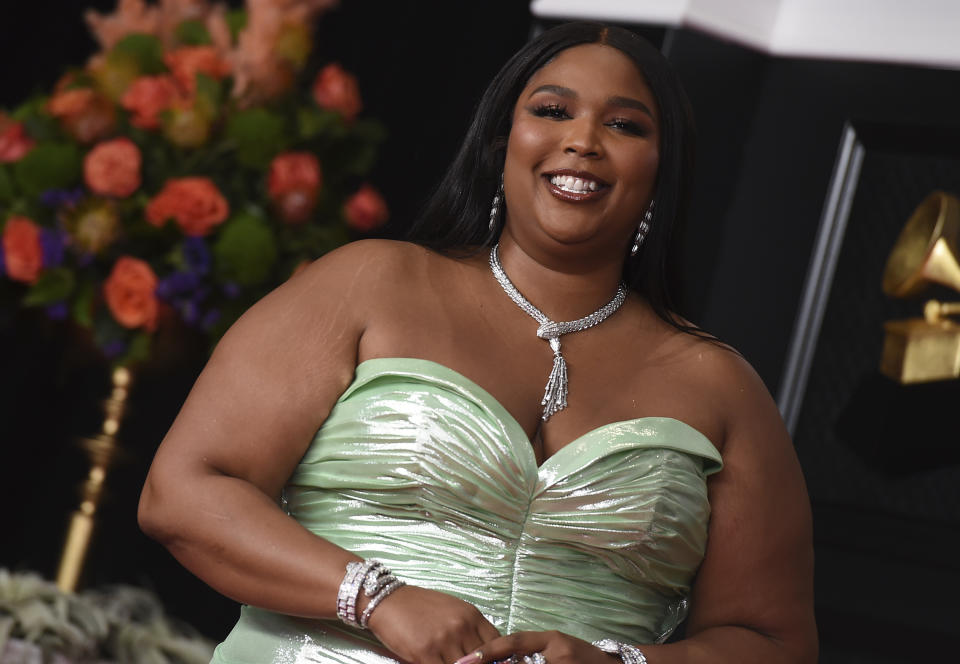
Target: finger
[(518, 643), (486, 632)]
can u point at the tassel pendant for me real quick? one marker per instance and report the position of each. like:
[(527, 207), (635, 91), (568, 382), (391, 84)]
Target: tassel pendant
[(555, 394)]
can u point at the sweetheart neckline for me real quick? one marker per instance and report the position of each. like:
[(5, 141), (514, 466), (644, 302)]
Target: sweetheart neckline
[(505, 417)]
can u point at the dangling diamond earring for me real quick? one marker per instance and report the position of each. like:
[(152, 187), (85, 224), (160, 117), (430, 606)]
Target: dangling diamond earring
[(495, 206), (642, 230)]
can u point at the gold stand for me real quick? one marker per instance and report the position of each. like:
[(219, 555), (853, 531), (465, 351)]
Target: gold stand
[(101, 449)]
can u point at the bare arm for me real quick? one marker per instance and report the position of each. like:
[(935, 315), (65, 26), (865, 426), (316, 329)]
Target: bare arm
[(753, 597), (211, 496), (211, 493)]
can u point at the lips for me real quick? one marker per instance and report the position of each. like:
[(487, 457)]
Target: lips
[(574, 186)]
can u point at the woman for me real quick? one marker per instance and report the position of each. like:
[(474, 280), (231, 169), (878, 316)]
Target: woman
[(392, 399)]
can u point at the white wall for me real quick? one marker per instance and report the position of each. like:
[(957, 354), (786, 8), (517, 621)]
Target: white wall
[(923, 32)]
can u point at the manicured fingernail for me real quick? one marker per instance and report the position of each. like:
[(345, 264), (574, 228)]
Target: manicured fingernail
[(473, 658)]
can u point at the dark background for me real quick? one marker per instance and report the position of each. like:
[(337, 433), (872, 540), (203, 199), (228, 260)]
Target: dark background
[(880, 459)]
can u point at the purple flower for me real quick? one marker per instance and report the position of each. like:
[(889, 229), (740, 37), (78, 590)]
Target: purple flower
[(55, 198), (57, 311), (196, 254), (190, 312), (210, 319), (231, 290), (175, 284), (114, 349), (52, 243)]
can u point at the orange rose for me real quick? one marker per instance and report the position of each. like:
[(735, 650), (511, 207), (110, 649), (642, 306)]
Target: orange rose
[(14, 142), (84, 114), (188, 61), (365, 210), (148, 96), (292, 184), (336, 90), (290, 171), (130, 293), (112, 168), (22, 251), (195, 203)]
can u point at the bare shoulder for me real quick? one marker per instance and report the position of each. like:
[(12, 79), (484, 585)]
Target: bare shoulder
[(366, 263), (757, 572), (723, 383)]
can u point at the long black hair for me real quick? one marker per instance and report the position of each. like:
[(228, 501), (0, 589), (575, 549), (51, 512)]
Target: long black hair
[(456, 216)]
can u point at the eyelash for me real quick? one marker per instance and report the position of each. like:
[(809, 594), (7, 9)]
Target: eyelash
[(559, 112)]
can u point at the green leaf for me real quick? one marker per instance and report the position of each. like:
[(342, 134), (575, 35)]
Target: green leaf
[(54, 285), (258, 135), (137, 351), (82, 308), (236, 21), (369, 130), (29, 108), (312, 122), (246, 250), (42, 127), (209, 95), (193, 33), (48, 166), (6, 185), (146, 51)]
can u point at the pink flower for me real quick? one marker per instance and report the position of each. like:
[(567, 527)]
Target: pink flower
[(194, 203), (112, 168), (293, 183), (130, 16), (130, 292), (148, 96), (14, 142), (336, 90), (22, 251), (188, 61), (366, 210), (83, 113)]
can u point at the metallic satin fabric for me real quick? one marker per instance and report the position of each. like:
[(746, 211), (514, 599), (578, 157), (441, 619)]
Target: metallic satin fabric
[(421, 468)]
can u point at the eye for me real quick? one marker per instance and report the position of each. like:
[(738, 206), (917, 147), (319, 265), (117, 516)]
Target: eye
[(555, 111), (628, 126)]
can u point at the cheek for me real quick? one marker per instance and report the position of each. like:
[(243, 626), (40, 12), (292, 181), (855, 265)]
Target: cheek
[(643, 166), (528, 141)]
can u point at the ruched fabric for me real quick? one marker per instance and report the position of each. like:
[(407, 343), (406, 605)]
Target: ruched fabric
[(421, 468)]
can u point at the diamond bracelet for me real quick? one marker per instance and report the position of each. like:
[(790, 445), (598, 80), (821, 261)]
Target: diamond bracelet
[(627, 653), (376, 581)]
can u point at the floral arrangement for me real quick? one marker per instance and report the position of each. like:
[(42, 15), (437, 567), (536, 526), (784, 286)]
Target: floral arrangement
[(39, 623), (191, 166)]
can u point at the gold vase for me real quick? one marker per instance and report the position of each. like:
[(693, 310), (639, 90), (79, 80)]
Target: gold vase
[(101, 450)]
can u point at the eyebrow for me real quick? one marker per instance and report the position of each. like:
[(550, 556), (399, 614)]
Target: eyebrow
[(623, 102)]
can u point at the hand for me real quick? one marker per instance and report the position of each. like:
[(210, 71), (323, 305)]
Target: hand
[(428, 627), (557, 648)]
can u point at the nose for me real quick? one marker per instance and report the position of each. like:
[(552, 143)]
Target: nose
[(582, 139)]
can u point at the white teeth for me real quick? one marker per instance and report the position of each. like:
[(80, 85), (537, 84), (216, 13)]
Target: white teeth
[(572, 184)]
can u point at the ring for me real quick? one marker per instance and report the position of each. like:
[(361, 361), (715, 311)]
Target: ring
[(471, 658), (535, 658)]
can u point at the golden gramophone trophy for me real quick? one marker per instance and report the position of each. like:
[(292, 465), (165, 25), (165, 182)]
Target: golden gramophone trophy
[(925, 349)]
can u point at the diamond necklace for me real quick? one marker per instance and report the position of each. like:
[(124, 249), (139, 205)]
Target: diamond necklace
[(555, 394)]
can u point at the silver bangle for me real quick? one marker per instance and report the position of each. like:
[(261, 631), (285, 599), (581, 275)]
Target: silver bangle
[(379, 597), (627, 653), (349, 589)]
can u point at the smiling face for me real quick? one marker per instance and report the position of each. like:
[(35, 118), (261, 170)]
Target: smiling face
[(583, 153)]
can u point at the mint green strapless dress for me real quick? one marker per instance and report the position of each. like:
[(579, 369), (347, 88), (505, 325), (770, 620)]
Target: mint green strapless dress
[(423, 469)]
